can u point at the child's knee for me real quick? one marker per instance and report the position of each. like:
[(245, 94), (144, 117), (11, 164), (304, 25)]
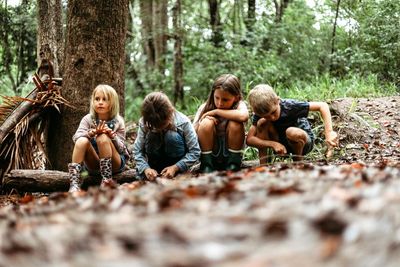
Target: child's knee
[(295, 134), (82, 142), (206, 125), (102, 139), (235, 127)]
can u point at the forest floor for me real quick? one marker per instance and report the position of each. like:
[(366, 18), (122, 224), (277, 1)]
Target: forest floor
[(342, 212)]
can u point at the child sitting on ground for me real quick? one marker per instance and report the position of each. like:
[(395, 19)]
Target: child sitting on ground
[(99, 140), (166, 142), (219, 124), (281, 124)]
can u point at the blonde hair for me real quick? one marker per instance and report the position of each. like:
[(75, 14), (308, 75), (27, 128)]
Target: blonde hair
[(157, 110), (110, 95), (262, 98)]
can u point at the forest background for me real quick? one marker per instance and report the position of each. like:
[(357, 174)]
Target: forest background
[(318, 50), (308, 50)]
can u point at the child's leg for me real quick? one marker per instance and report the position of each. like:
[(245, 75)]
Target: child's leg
[(108, 150), (206, 134), (174, 147), (297, 139), (235, 135), (81, 147), (266, 131), (235, 139)]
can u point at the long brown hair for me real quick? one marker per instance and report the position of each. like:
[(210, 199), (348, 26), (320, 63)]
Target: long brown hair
[(157, 110), (225, 82)]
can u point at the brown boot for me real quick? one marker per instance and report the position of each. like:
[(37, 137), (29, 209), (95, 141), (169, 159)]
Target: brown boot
[(74, 170), (106, 173)]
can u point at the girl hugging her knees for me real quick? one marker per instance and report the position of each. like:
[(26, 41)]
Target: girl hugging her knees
[(219, 124), (166, 142), (99, 140)]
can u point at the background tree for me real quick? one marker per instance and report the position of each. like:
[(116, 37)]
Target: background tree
[(178, 57), (94, 54), (17, 41), (50, 38)]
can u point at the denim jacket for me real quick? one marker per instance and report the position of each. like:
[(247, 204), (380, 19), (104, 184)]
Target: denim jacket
[(183, 126)]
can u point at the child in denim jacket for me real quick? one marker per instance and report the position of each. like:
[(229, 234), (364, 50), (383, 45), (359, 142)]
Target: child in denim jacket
[(166, 142)]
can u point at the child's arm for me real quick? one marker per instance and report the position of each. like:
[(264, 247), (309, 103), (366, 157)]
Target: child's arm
[(138, 151), (241, 114), (255, 141), (331, 136)]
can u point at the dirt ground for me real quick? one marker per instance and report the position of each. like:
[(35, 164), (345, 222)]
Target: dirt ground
[(342, 212)]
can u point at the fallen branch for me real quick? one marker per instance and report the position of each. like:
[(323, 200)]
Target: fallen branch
[(53, 181)]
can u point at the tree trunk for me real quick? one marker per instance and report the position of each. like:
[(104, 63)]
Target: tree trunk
[(215, 22), (146, 15), (251, 15), (334, 32), (280, 9), (53, 181), (94, 54), (178, 57), (160, 30), (50, 42)]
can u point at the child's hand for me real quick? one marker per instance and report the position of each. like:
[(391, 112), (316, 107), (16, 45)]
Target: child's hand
[(92, 133), (210, 118), (150, 174), (279, 148), (211, 113), (169, 172), (109, 132), (332, 139)]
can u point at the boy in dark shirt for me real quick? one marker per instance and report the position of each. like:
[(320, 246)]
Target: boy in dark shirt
[(282, 124)]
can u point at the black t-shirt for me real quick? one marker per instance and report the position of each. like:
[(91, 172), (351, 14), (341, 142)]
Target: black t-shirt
[(293, 114)]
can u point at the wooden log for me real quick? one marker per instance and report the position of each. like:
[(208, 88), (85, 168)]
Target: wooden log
[(54, 181)]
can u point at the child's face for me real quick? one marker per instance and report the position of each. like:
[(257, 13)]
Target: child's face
[(275, 112), (224, 99), (101, 105)]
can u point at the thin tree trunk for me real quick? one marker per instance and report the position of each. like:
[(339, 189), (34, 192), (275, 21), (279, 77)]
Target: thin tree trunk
[(146, 15), (334, 27), (280, 9), (251, 15), (50, 42), (215, 22), (178, 57), (160, 28)]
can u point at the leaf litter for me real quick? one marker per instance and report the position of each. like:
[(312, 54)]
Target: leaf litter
[(338, 213)]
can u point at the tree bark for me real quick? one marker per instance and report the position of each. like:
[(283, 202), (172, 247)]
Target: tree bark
[(94, 54), (178, 57), (215, 22), (160, 30), (50, 42), (280, 9), (334, 27), (251, 15), (54, 181), (146, 15)]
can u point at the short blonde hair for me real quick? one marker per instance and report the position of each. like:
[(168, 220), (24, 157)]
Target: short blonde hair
[(110, 95), (262, 98)]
